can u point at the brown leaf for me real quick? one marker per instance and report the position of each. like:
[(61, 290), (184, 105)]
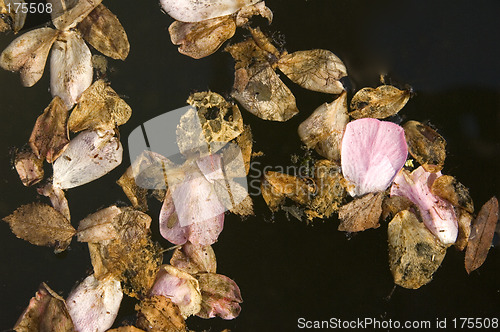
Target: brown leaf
[(50, 137), (194, 259), (448, 188), (159, 313), (425, 145), (28, 167), (102, 29), (317, 70), (379, 103), (482, 232), (414, 252), (99, 107), (261, 92), (46, 312), (200, 39), (362, 213), (41, 225)]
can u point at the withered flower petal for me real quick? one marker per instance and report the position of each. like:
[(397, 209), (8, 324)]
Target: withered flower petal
[(464, 229), (99, 107), (194, 259), (57, 199), (481, 235), (247, 12), (17, 18), (261, 92), (159, 313), (98, 226), (220, 296), (200, 39), (70, 67), (46, 312), (179, 286), (277, 186), (41, 225), (200, 10), (127, 328), (28, 54), (49, 137), (379, 103), (425, 145), (414, 252), (66, 14), (362, 213), (448, 188), (317, 70), (94, 304), (136, 195), (28, 167)]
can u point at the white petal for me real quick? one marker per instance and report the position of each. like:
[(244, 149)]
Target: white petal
[(66, 14), (70, 68), (87, 157), (200, 10), (94, 304)]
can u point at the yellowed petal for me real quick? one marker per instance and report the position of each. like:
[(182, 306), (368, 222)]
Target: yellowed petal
[(379, 103), (66, 14)]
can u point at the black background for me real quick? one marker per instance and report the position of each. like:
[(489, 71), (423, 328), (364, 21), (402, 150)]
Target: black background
[(447, 51)]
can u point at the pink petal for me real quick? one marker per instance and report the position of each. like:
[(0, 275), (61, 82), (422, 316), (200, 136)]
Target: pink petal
[(373, 152), (437, 214)]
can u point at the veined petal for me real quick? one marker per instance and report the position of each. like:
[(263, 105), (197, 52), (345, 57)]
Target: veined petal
[(200, 10)]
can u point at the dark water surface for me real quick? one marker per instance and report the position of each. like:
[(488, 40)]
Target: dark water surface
[(448, 51)]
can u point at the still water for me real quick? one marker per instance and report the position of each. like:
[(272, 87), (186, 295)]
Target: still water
[(447, 51)]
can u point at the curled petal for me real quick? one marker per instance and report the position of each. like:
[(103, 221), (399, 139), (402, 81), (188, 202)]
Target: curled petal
[(220, 296), (200, 10), (373, 152), (437, 214)]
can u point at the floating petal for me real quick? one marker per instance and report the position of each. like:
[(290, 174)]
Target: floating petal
[(200, 10)]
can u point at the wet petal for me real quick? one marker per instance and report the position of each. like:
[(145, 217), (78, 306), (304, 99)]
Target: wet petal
[(220, 296), (66, 14), (159, 313), (200, 10), (425, 145), (373, 152), (98, 226), (194, 259), (379, 103), (28, 167), (57, 199)]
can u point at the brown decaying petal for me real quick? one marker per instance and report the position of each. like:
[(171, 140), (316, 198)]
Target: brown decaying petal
[(99, 226), (425, 145), (481, 235), (40, 224), (159, 313), (11, 19), (379, 103), (46, 312), (66, 14), (277, 186), (220, 296), (317, 70), (201, 39), (57, 199), (246, 13), (136, 195), (102, 29), (464, 229), (362, 213), (448, 188), (194, 259), (28, 167), (414, 252), (49, 137)]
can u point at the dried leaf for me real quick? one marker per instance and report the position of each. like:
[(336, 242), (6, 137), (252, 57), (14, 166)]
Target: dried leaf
[(41, 225), (481, 235), (448, 188), (220, 296), (180, 287), (373, 152), (194, 259), (50, 136), (28, 54), (46, 312), (362, 213), (379, 103), (57, 199), (324, 128), (200, 10), (98, 226), (102, 29), (70, 67), (159, 313), (87, 157), (425, 145), (94, 304), (414, 253), (66, 14), (247, 53), (28, 167), (261, 92), (317, 70), (437, 214), (201, 39), (246, 13), (99, 108)]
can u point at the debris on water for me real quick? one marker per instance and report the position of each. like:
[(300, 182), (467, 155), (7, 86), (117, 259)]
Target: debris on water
[(425, 145), (379, 103)]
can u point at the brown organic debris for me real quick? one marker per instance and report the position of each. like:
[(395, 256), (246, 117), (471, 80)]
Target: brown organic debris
[(194, 259), (159, 313), (379, 103), (41, 225), (362, 213), (136, 195), (99, 108), (448, 188), (464, 229), (99, 226), (277, 186), (425, 145), (482, 232), (393, 205), (29, 167), (102, 29), (414, 252), (50, 136), (200, 39), (220, 296), (57, 199)]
